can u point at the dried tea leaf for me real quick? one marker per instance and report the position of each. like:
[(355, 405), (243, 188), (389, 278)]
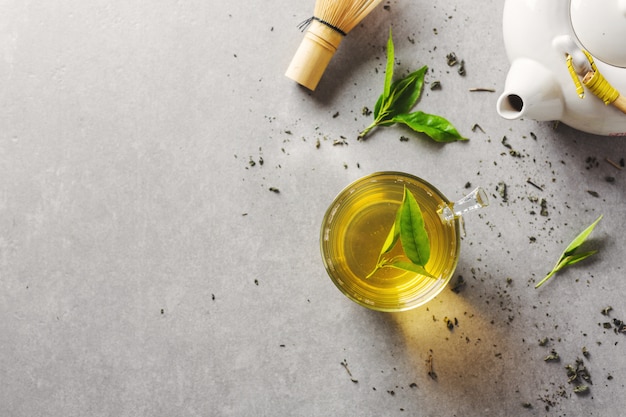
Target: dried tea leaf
[(581, 389), (552, 357)]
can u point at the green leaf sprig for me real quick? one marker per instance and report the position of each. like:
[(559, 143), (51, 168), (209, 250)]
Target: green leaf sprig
[(399, 97), (570, 255), (409, 229)]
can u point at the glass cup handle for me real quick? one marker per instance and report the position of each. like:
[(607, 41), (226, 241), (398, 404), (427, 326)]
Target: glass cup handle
[(474, 200)]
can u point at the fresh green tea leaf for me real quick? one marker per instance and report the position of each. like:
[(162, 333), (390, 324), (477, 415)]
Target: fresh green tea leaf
[(413, 233), (409, 266), (402, 96), (566, 261), (391, 239), (399, 97), (405, 92), (383, 99), (569, 255), (580, 239), (409, 228), (393, 235), (389, 68), (378, 119), (436, 127), (573, 259)]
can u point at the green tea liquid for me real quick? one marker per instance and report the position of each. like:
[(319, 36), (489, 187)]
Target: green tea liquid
[(356, 228)]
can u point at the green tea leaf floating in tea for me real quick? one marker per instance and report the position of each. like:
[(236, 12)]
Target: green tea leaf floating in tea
[(393, 235), (570, 255), (409, 229), (399, 97), (413, 234), (408, 266)]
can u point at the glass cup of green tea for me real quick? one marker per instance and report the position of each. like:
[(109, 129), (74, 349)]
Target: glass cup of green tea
[(390, 241)]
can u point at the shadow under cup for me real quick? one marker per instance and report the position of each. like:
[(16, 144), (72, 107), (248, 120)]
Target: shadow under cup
[(356, 226)]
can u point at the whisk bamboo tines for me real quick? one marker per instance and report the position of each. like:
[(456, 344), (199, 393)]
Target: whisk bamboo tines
[(331, 21)]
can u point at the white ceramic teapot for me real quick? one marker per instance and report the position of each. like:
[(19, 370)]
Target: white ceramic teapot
[(555, 48)]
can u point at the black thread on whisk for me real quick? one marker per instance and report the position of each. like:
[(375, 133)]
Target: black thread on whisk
[(303, 25)]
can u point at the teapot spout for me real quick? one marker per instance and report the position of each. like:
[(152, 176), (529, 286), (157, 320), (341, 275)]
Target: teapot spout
[(531, 91)]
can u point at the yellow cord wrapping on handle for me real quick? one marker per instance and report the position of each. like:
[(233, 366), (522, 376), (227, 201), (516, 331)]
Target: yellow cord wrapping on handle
[(598, 85), (593, 80), (572, 72)]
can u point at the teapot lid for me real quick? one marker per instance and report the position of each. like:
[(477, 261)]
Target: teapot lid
[(601, 28)]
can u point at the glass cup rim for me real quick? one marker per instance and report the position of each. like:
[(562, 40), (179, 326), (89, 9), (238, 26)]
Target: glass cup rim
[(334, 207)]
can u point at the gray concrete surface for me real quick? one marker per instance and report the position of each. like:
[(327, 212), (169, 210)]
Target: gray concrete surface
[(146, 269)]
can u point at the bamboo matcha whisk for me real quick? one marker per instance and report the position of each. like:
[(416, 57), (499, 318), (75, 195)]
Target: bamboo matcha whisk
[(331, 21)]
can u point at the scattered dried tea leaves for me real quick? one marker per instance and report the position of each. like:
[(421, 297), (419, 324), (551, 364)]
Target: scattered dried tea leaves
[(620, 166), (581, 389), (620, 327), (449, 323), (592, 162), (529, 181), (429, 366), (460, 283), (502, 190), (477, 127), (344, 363), (578, 373), (552, 357), (543, 204), (451, 58), (461, 69)]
